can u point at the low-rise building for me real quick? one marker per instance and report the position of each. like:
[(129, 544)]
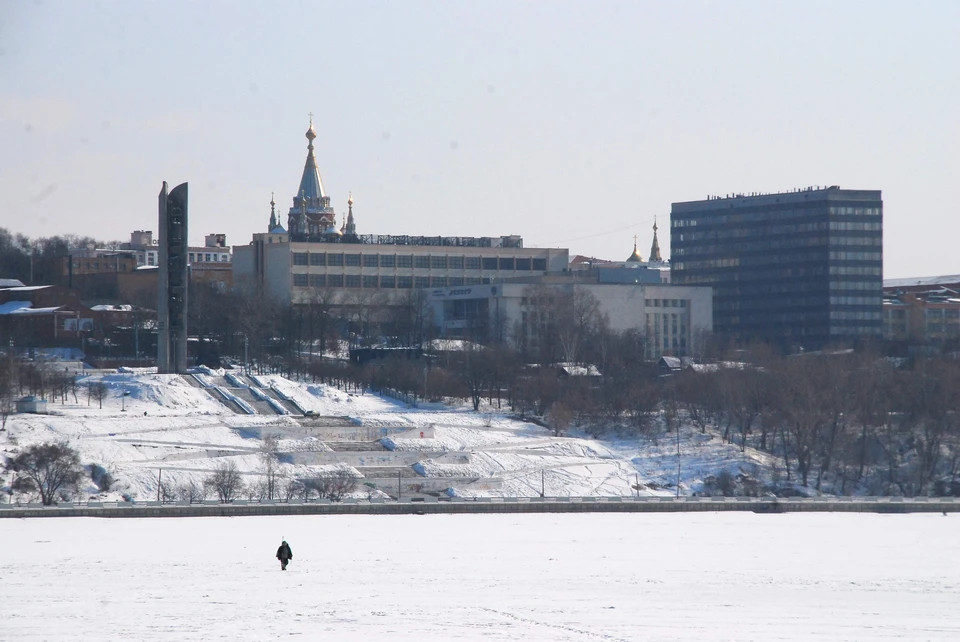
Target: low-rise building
[(922, 310), (672, 318)]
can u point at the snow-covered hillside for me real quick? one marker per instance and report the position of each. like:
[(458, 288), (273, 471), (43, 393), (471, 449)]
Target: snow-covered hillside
[(163, 427)]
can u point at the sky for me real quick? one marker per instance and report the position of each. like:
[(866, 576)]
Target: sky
[(573, 124)]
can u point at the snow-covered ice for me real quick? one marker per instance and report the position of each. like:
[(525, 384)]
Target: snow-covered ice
[(570, 577)]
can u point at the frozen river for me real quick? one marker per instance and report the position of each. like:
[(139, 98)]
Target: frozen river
[(658, 577)]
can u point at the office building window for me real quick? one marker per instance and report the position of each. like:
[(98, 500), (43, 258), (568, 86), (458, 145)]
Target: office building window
[(438, 263), (370, 260), (353, 280), (421, 262), (335, 280), (388, 260), (300, 280), (472, 262), (421, 282), (455, 262), (318, 280), (318, 258), (404, 261), (539, 265), (369, 280), (404, 282), (351, 260), (335, 260), (388, 282), (524, 265)]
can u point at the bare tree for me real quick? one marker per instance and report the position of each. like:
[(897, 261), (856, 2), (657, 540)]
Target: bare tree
[(269, 465), (97, 390), (225, 481), (559, 418), (191, 492), (47, 469)]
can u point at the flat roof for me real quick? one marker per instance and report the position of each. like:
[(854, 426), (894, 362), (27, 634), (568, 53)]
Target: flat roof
[(757, 199)]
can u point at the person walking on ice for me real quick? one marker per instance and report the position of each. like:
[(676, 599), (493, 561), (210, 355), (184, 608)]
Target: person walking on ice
[(284, 554)]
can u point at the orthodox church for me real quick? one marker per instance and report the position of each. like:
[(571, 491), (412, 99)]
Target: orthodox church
[(312, 215), (654, 249)]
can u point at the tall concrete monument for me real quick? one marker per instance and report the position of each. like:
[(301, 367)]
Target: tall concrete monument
[(172, 286)]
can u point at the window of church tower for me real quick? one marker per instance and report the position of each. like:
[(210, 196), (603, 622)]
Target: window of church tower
[(523, 264), (352, 260), (455, 262), (421, 262), (388, 260), (370, 260), (438, 263), (335, 259)]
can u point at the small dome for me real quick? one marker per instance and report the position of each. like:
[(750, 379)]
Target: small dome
[(311, 133)]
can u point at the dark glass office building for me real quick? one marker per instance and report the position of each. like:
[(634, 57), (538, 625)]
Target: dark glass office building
[(797, 269)]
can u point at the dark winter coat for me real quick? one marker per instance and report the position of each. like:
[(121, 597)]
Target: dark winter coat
[(284, 553)]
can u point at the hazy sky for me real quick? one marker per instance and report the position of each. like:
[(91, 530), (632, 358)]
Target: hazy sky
[(570, 123)]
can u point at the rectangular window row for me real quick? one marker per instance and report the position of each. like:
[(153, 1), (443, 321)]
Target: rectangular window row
[(856, 226), (875, 241), (855, 256), (855, 300), (855, 270), (855, 211), (372, 281), (423, 262), (858, 315)]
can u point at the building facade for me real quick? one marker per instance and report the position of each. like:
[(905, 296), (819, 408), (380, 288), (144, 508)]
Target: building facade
[(798, 269), (313, 254), (673, 319), (924, 311)]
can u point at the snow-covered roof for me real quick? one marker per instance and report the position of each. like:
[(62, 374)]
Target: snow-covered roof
[(112, 308), (576, 370), (921, 280), (452, 345), (11, 283), (27, 288), (24, 308)]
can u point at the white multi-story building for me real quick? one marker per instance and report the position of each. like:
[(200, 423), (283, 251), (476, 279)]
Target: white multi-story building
[(672, 318)]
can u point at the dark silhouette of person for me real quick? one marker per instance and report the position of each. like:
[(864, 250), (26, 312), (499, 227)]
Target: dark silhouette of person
[(284, 554)]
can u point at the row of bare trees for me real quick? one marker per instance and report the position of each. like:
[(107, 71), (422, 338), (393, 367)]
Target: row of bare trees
[(843, 421)]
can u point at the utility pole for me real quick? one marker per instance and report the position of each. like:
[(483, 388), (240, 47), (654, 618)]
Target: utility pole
[(398, 485), (678, 459), (542, 483), (159, 482)]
